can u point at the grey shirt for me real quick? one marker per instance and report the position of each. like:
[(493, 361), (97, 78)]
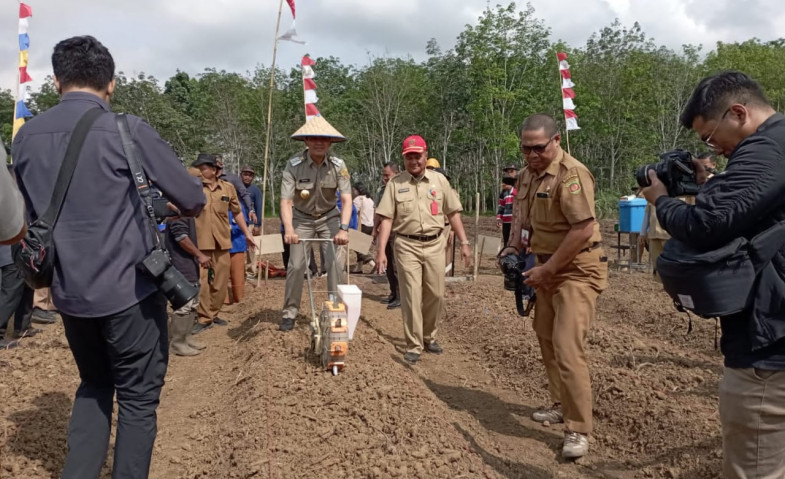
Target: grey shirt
[(11, 205), (242, 193), (312, 187), (102, 233)]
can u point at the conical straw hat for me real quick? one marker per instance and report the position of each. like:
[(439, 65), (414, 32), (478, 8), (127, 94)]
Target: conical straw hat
[(318, 126)]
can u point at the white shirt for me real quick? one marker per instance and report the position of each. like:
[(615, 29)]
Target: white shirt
[(365, 211)]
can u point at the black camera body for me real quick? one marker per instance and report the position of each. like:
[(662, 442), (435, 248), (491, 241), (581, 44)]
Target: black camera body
[(513, 266), (171, 282), (675, 170)]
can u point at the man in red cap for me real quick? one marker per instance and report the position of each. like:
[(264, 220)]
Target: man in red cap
[(416, 205)]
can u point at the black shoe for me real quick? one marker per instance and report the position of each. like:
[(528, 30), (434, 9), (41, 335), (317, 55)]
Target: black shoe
[(388, 299), (434, 347), (411, 358), (287, 324), (43, 317), (199, 327), (220, 322), (396, 303)]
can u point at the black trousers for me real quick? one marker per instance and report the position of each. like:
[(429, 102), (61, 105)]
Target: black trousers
[(506, 233), (126, 353), (16, 299), (392, 275)]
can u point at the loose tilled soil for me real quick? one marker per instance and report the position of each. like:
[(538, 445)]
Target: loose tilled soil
[(252, 405)]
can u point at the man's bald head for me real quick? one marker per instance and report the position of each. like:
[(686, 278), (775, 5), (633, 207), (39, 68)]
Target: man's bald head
[(540, 121)]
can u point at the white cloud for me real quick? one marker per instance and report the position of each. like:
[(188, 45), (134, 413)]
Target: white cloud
[(160, 37)]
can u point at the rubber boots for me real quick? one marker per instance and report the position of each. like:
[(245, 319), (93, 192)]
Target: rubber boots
[(181, 328)]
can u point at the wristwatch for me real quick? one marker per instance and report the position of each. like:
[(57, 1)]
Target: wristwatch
[(344, 227), (465, 243)]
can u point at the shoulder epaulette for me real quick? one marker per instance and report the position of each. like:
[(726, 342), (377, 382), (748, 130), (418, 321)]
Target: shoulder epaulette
[(336, 161)]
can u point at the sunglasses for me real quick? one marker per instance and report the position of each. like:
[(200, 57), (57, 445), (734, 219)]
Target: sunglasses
[(539, 149)]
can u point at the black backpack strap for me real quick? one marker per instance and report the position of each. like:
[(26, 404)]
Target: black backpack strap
[(137, 173), (68, 167)]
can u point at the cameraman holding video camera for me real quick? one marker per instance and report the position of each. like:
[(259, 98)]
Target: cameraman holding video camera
[(733, 117), (113, 311)]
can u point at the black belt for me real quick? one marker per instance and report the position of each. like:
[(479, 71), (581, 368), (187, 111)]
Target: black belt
[(314, 215), (543, 258), (420, 237)]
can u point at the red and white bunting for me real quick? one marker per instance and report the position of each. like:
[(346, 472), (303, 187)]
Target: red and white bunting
[(568, 94), (309, 88)]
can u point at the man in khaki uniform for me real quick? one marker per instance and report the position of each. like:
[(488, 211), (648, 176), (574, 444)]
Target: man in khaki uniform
[(309, 208), (414, 206), (214, 239), (554, 217)]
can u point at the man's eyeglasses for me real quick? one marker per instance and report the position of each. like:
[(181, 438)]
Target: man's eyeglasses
[(708, 140), (539, 149)]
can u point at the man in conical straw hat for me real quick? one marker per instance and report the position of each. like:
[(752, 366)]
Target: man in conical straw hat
[(309, 207)]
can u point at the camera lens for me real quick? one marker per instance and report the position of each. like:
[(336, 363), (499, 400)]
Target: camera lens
[(642, 176), (176, 288)]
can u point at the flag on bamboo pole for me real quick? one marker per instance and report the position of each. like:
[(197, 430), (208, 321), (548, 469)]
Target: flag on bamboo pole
[(568, 94), (291, 34), (309, 88), (20, 108)]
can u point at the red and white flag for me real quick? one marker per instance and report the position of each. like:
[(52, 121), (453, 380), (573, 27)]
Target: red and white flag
[(568, 94), (291, 34), (309, 86)]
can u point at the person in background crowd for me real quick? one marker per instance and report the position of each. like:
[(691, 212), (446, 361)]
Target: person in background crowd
[(237, 260), (394, 299), (365, 211), (214, 238), (416, 205), (247, 174), (113, 313), (506, 201), (12, 216), (239, 187), (448, 232)]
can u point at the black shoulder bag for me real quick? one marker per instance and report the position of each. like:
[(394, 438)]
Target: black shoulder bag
[(35, 255), (157, 265)]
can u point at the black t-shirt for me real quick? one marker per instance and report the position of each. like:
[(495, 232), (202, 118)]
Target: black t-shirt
[(185, 263)]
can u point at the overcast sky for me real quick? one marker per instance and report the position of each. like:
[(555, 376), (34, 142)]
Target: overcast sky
[(159, 37)]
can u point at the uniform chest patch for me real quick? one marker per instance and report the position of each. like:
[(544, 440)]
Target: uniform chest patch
[(403, 190), (573, 185)]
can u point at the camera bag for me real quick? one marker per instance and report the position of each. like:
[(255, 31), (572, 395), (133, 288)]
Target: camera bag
[(35, 255), (718, 282)]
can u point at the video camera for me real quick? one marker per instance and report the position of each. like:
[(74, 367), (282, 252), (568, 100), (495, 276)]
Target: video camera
[(675, 170), (513, 266)]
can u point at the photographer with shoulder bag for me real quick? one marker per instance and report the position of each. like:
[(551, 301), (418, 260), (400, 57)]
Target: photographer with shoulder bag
[(92, 228), (726, 258)]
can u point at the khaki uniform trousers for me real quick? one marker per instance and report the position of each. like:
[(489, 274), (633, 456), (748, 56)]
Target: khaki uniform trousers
[(42, 299), (250, 262), (211, 296), (307, 227), (562, 318), (420, 267), (752, 414)]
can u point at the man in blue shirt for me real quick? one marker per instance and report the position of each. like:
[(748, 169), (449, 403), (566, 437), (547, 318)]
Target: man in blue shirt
[(113, 313)]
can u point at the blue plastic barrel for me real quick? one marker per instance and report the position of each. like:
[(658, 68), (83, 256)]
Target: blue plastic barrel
[(631, 213)]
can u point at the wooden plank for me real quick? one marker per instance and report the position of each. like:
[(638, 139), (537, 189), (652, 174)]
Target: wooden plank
[(359, 241), (268, 244), (491, 245)]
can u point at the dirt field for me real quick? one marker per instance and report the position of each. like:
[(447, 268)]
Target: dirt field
[(252, 406)]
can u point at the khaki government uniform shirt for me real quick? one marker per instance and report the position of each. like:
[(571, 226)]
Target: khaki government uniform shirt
[(549, 204), (408, 200), (320, 181), (212, 224)]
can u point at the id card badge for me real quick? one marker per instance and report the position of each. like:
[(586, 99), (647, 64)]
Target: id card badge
[(525, 234), (434, 207)]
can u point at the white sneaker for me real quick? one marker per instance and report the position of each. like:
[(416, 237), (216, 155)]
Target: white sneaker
[(372, 263), (552, 414), (575, 445), (448, 268)]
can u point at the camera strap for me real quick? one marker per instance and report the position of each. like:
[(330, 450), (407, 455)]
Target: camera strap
[(141, 184)]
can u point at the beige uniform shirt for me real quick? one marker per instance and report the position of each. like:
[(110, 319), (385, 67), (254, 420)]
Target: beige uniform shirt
[(319, 181), (212, 224), (418, 206), (547, 205)]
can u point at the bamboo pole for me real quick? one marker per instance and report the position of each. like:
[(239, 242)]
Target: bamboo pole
[(258, 255), (476, 236)]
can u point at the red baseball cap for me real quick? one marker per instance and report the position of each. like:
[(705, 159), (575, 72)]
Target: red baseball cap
[(414, 144)]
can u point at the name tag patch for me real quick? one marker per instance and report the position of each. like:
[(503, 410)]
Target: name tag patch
[(225, 198), (403, 190)]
